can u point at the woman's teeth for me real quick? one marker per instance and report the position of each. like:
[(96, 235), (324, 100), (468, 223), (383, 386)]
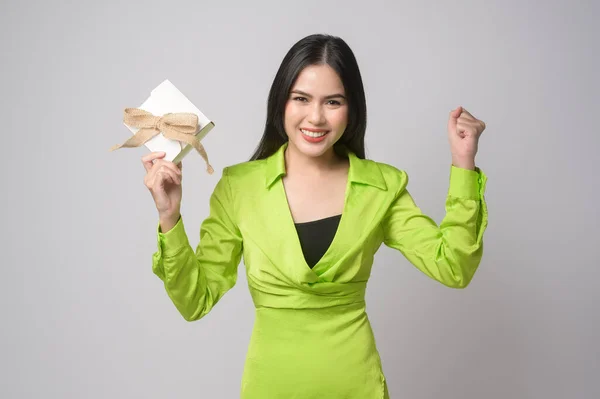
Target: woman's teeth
[(313, 134)]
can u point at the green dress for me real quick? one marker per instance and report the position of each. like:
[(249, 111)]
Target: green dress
[(312, 337)]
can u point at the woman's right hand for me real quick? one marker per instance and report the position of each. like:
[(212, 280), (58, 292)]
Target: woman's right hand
[(163, 179)]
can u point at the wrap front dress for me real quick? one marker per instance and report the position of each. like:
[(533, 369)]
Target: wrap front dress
[(312, 337)]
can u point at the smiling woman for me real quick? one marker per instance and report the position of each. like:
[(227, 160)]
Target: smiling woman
[(318, 87), (308, 213), (312, 113)]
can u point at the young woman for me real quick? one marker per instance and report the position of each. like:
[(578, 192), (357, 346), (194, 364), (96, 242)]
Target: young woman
[(307, 213)]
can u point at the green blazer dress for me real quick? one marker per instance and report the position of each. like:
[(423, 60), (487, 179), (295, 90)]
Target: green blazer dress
[(311, 336)]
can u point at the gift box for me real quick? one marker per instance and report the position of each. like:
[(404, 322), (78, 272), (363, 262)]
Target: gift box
[(167, 121)]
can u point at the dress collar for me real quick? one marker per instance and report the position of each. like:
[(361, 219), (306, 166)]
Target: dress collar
[(362, 171)]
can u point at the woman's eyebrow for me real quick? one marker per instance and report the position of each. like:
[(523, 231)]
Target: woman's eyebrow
[(326, 97)]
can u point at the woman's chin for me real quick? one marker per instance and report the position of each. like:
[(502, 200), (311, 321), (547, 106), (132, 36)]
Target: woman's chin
[(315, 150), (311, 148)]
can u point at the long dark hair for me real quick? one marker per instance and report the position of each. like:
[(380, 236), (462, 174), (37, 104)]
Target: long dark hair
[(317, 49)]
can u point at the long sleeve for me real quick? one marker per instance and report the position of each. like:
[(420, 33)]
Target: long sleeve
[(451, 252), (196, 280)]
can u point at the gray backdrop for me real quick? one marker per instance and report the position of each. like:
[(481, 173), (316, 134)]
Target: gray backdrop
[(84, 317)]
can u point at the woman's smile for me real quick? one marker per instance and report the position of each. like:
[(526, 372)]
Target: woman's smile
[(313, 136)]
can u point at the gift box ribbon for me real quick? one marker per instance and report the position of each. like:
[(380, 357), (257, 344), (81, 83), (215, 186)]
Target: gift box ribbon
[(181, 126)]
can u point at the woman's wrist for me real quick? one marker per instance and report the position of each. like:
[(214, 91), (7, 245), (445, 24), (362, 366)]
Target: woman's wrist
[(167, 222), (464, 163)]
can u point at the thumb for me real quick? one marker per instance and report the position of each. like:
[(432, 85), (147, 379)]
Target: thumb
[(454, 114)]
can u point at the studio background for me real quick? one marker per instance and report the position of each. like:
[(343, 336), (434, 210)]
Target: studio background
[(83, 316)]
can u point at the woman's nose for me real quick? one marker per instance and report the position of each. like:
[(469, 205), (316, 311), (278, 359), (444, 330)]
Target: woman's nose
[(316, 116)]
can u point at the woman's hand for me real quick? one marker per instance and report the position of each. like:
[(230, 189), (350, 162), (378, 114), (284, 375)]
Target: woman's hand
[(464, 131), (163, 179)]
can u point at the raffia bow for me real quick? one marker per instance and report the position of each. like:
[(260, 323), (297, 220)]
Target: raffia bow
[(181, 126)]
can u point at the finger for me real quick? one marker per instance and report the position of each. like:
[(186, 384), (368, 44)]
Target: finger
[(159, 165), (452, 119), (167, 164), (167, 175), (466, 129), (173, 172), (478, 124), (468, 120), (148, 159), (455, 113), (161, 181), (466, 115)]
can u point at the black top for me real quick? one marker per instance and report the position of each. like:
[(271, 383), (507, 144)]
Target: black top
[(316, 236)]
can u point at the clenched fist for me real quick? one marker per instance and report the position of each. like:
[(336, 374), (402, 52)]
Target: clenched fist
[(464, 131)]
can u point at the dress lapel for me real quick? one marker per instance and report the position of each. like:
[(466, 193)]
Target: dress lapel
[(365, 182)]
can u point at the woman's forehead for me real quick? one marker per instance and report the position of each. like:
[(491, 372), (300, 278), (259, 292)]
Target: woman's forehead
[(319, 80)]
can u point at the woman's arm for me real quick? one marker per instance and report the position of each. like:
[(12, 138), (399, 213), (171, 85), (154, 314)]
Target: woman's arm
[(196, 280), (451, 252)]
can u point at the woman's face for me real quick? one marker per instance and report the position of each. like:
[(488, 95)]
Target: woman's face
[(316, 113)]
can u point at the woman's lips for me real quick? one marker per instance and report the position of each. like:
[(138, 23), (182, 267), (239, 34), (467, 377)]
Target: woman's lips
[(313, 136)]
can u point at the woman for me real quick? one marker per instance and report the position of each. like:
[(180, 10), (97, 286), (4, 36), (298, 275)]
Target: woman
[(307, 213)]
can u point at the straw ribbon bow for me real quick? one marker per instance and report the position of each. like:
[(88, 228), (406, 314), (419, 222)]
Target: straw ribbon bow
[(181, 126)]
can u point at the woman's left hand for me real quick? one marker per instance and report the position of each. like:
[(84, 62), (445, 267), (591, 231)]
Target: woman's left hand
[(464, 131)]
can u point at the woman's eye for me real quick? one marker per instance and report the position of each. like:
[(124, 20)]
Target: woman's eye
[(304, 99)]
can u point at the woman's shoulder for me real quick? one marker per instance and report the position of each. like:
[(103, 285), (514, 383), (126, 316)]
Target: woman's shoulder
[(386, 168), (247, 172), (394, 177)]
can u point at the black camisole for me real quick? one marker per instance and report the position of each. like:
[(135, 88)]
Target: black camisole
[(316, 237)]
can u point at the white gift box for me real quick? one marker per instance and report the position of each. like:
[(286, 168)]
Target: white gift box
[(164, 99)]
